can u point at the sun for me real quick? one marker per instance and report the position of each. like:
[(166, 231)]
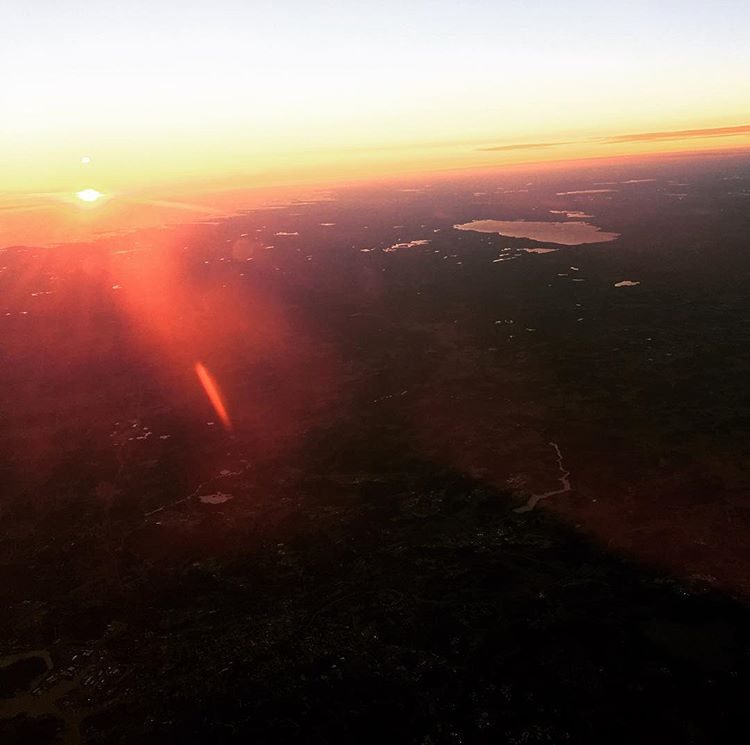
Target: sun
[(89, 195)]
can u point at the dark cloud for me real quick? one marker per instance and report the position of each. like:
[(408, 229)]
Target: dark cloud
[(680, 134), (521, 146)]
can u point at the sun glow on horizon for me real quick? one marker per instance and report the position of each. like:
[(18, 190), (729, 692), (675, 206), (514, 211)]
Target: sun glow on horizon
[(89, 195)]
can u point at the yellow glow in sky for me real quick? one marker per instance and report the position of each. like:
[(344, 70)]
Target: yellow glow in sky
[(261, 93)]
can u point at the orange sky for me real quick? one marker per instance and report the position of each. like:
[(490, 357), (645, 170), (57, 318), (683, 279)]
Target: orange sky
[(140, 100)]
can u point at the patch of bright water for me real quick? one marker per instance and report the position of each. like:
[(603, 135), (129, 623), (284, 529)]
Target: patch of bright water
[(565, 233), (217, 498)]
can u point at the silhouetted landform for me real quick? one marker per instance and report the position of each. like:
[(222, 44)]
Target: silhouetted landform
[(457, 500)]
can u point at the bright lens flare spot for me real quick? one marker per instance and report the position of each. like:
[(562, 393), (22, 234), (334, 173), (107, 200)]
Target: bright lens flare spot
[(211, 387), (89, 195), (85, 160)]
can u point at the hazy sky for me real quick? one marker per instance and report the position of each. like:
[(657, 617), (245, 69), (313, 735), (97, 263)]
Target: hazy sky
[(165, 88)]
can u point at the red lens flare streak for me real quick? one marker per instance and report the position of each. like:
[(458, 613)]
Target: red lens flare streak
[(214, 394)]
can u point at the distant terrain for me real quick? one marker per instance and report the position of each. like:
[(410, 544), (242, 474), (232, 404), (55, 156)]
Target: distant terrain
[(475, 488)]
